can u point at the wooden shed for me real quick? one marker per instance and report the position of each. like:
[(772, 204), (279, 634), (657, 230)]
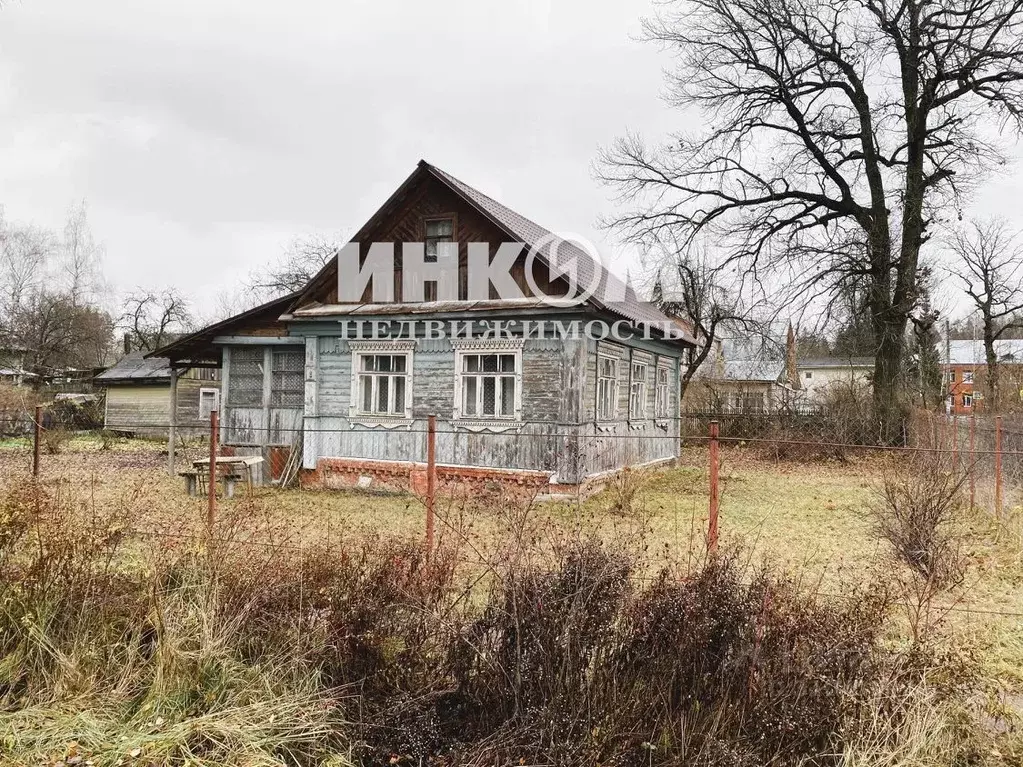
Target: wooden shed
[(139, 396)]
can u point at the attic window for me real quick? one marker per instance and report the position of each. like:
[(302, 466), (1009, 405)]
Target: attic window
[(437, 231)]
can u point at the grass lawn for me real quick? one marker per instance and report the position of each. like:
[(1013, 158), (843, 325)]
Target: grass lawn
[(809, 517)]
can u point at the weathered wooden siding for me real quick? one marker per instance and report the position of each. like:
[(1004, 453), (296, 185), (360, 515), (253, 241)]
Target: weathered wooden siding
[(607, 445), (544, 440), (558, 432), (188, 420), (143, 410)]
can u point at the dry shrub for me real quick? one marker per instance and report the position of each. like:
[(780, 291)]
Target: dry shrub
[(55, 438), (107, 658), (622, 488), (581, 666), (917, 513), (245, 645)]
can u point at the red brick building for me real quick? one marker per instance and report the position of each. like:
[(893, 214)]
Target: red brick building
[(964, 369)]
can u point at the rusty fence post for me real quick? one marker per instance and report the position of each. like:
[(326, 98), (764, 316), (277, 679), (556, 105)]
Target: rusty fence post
[(211, 486), (431, 479), (998, 466), (712, 521), (36, 429), (955, 441), (973, 461)]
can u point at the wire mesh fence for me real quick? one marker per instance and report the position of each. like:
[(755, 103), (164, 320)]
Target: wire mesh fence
[(987, 449)]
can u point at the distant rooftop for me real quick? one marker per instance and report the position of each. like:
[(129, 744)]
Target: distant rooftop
[(768, 371), (972, 352), (836, 362), (135, 367)]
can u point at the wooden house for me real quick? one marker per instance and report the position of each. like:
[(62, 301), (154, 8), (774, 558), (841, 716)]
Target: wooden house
[(139, 396), (536, 404)]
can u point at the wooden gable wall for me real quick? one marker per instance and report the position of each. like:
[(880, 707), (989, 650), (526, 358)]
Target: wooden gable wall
[(406, 222)]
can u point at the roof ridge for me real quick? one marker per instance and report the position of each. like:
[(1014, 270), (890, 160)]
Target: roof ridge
[(607, 276), (487, 197)]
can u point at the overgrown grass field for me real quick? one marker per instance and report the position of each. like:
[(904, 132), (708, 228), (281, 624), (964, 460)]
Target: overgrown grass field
[(805, 527)]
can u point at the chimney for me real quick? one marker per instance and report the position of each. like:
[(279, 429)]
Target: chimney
[(127, 343), (791, 367)]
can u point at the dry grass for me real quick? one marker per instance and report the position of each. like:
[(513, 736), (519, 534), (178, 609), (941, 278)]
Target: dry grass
[(808, 518)]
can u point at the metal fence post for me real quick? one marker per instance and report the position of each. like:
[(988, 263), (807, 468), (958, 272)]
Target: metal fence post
[(431, 479), (36, 429), (973, 461), (955, 441), (211, 510), (998, 466), (712, 522)]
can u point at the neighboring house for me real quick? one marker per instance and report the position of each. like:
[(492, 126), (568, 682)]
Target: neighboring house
[(554, 410), (742, 375), (751, 386), (138, 396), (821, 376), (964, 367), (12, 367)]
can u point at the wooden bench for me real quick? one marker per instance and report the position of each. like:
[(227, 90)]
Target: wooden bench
[(195, 481)]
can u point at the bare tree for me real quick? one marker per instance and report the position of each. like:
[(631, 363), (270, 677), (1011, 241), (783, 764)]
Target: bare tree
[(989, 261), (81, 257), (691, 287), (58, 332), (152, 318), (48, 296), (299, 263), (826, 122), (24, 254)]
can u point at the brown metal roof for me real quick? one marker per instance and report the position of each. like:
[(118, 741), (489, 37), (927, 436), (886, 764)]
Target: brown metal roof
[(611, 294)]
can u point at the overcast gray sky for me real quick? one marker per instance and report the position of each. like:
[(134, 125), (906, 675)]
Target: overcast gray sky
[(206, 134)]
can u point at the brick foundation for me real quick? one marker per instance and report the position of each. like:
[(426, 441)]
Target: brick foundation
[(405, 476)]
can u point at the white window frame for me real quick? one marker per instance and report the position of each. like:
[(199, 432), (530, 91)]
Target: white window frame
[(968, 400), (967, 376), (662, 404), (204, 392), (360, 349), (615, 360), (470, 347), (641, 383)]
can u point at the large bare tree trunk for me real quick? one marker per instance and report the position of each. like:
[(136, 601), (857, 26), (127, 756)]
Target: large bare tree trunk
[(992, 364)]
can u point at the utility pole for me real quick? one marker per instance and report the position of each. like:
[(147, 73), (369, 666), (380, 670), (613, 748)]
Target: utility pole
[(948, 367)]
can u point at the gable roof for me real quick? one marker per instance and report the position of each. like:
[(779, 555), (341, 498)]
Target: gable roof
[(138, 368), (611, 294)]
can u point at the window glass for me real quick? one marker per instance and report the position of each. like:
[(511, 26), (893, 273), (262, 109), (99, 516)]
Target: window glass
[(246, 372), (662, 406), (438, 231), (287, 386), (607, 388), (383, 384), (637, 391), (489, 385)]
